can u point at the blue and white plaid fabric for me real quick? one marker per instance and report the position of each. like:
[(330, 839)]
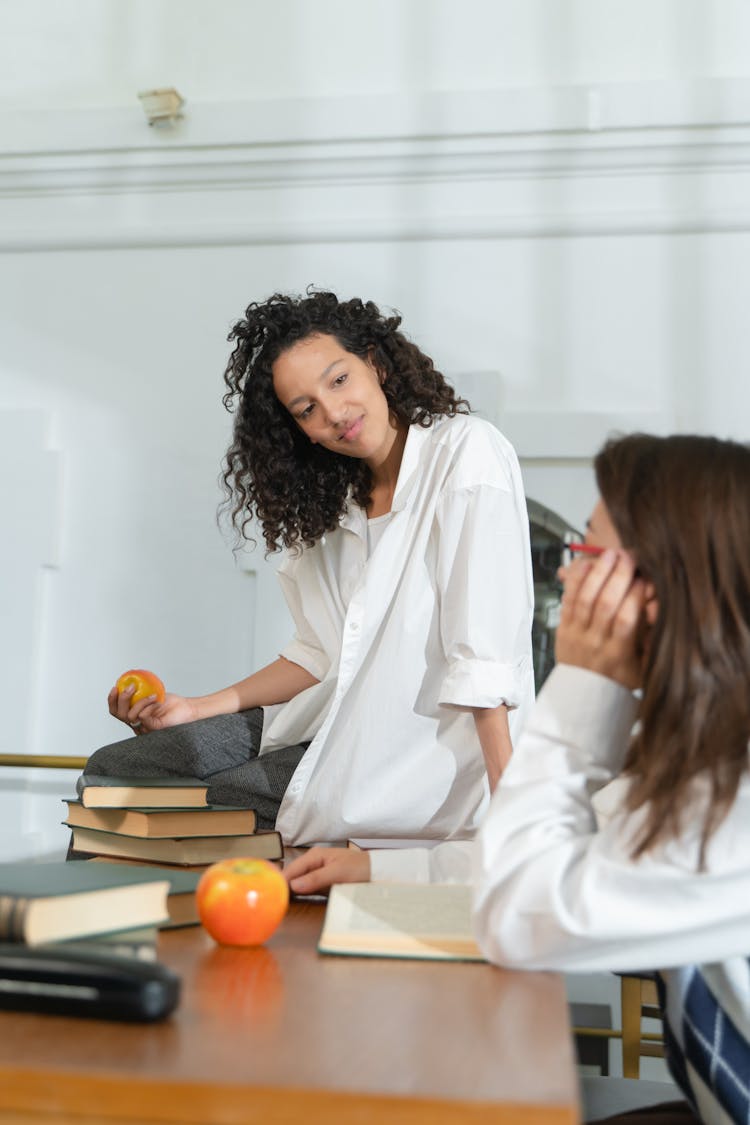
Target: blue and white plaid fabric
[(707, 1037)]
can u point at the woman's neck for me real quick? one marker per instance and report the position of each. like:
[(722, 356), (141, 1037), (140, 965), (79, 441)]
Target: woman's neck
[(385, 475)]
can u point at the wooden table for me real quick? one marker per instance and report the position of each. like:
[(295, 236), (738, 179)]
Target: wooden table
[(281, 1035)]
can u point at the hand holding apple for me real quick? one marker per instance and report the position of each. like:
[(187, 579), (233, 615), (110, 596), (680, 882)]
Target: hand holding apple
[(139, 699), (145, 683)]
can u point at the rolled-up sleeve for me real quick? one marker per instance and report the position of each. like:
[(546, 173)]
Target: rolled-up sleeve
[(486, 595)]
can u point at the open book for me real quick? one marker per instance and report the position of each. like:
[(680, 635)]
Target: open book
[(422, 920)]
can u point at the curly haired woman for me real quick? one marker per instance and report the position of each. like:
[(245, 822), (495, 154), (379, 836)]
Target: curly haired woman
[(407, 572)]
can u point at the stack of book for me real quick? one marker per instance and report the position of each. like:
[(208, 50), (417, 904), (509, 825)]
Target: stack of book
[(110, 903), (163, 821)]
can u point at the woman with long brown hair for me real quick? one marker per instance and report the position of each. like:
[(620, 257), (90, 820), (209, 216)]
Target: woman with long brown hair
[(652, 684)]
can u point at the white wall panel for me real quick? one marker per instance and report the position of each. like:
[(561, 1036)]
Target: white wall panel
[(578, 258), (100, 52)]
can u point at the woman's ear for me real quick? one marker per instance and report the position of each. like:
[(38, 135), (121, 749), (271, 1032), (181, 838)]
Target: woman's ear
[(651, 604)]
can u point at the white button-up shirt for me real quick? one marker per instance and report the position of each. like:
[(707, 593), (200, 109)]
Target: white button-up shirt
[(436, 621), (556, 885)]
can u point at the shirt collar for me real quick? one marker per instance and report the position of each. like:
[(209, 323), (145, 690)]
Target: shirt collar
[(416, 438)]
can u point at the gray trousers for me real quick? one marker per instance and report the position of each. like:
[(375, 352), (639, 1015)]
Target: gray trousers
[(222, 751)]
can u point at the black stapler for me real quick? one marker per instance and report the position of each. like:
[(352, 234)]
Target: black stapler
[(73, 983)]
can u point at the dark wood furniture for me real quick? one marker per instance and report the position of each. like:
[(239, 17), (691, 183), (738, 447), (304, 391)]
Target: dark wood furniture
[(281, 1034)]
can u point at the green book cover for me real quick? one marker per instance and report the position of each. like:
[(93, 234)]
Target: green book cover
[(55, 901)]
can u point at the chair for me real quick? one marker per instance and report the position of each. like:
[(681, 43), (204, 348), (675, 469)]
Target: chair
[(639, 1001), (592, 1030)]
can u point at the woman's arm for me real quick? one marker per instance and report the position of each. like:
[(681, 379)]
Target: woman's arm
[(483, 575), (275, 683), (316, 871), (494, 738), (278, 682), (486, 605), (553, 888)]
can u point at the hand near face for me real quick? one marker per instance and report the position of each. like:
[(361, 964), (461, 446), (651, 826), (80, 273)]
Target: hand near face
[(606, 616), (318, 869)]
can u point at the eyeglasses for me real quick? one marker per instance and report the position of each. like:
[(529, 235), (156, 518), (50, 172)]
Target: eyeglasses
[(585, 549), (573, 549)]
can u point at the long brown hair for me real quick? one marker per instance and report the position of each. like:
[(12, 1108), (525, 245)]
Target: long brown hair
[(681, 504)]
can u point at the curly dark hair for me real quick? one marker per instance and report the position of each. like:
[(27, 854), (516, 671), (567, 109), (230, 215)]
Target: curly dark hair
[(296, 489)]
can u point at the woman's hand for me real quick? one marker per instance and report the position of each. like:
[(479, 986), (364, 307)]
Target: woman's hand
[(318, 869), (604, 620), (148, 714)]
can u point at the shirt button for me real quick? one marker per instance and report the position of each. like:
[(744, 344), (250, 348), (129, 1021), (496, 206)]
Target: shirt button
[(354, 627)]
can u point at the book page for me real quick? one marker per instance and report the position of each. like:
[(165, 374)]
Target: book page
[(398, 919), (374, 842)]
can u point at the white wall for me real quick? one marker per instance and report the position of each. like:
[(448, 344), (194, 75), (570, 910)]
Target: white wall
[(554, 195), (85, 53)]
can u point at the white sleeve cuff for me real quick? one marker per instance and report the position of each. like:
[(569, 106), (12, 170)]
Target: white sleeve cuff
[(485, 683), (583, 708)]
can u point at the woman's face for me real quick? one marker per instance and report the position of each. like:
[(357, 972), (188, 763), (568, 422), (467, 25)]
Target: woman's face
[(335, 398), (600, 534), (600, 531)]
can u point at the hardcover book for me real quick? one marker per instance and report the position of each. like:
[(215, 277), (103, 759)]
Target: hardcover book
[(138, 943), (181, 905), (99, 791), (43, 902), (212, 820), (425, 921), (191, 850)]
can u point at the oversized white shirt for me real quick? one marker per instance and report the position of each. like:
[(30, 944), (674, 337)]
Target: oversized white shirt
[(555, 886), (436, 621)]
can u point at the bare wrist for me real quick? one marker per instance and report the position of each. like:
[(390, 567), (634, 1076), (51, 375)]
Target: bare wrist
[(208, 706)]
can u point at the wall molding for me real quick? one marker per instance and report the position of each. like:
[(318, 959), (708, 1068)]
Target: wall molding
[(621, 159)]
